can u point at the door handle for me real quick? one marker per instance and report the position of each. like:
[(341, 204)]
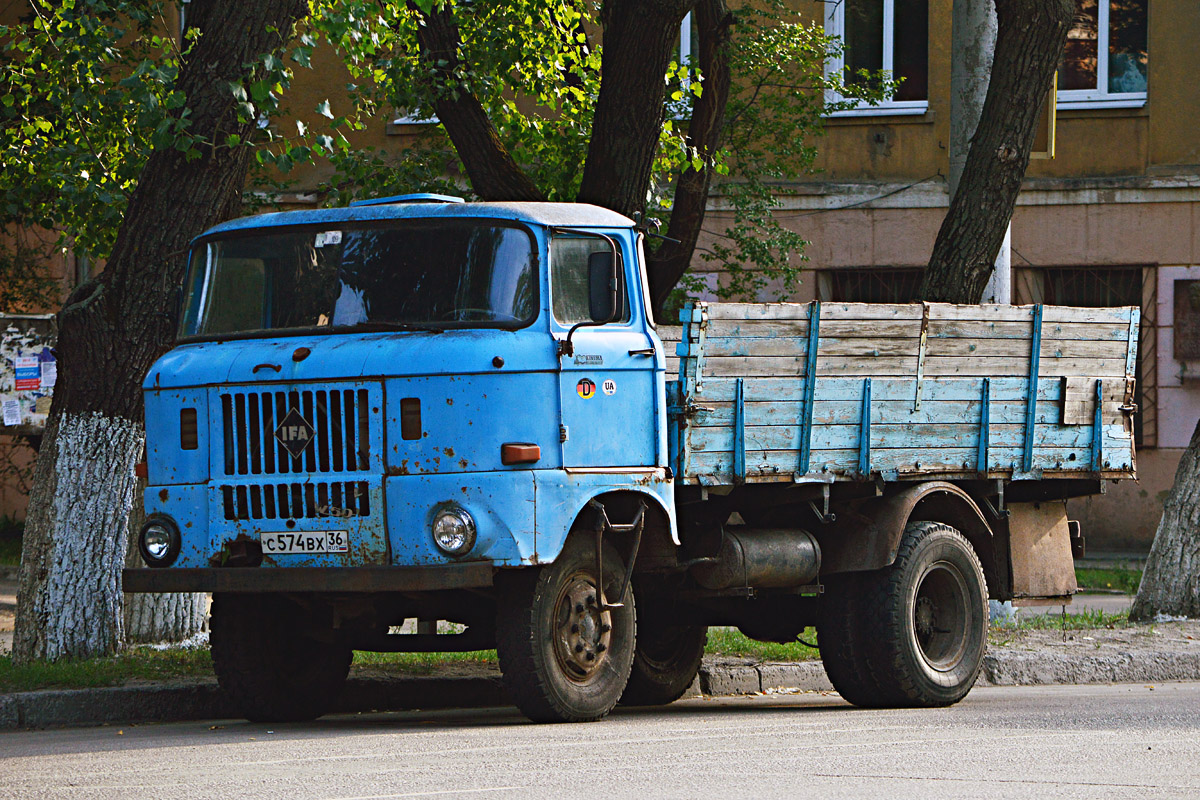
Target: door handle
[(647, 351)]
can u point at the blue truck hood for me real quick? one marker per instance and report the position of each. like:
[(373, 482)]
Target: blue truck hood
[(354, 356)]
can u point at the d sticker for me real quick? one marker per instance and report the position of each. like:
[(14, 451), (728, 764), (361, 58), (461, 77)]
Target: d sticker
[(585, 389), (609, 387)]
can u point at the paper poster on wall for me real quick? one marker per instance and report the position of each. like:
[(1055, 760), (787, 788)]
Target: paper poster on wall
[(49, 374), (12, 410), (28, 374)]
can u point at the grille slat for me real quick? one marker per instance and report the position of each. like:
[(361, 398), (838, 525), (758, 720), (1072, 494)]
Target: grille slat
[(333, 500), (341, 429)]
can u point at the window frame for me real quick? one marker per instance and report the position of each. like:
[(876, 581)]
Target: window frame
[(1100, 97), (835, 25)]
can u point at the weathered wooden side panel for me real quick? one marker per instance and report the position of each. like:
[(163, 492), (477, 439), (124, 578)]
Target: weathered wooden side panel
[(779, 391)]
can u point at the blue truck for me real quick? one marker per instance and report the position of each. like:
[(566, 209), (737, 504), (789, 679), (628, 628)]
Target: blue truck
[(462, 416)]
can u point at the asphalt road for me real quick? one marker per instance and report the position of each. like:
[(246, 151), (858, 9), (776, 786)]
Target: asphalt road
[(1027, 742)]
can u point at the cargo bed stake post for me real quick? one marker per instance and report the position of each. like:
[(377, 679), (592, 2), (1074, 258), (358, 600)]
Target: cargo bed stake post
[(921, 346), (603, 525), (810, 384), (739, 432), (985, 405), (1098, 428), (1035, 354), (864, 432)]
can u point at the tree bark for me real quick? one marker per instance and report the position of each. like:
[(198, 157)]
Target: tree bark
[(493, 173), (170, 617), (705, 132), (110, 332), (639, 37), (1171, 582), (1029, 44)]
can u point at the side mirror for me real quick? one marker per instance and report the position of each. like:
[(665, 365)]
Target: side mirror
[(603, 287)]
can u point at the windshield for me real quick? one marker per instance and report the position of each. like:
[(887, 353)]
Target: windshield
[(443, 273)]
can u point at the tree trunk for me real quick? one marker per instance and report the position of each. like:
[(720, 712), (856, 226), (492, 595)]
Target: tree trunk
[(667, 265), (493, 173), (171, 617), (639, 37), (1029, 43), (1171, 583), (110, 332)]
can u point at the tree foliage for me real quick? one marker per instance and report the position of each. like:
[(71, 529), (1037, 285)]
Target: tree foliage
[(535, 71)]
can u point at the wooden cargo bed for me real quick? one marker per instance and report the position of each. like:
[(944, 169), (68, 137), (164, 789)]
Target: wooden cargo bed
[(848, 391)]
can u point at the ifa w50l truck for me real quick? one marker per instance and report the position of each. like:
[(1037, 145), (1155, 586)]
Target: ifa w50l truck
[(422, 409)]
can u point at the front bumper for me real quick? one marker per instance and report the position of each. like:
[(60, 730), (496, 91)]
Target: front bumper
[(469, 575)]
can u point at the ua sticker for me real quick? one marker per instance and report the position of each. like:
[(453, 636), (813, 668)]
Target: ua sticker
[(585, 389), (609, 387)]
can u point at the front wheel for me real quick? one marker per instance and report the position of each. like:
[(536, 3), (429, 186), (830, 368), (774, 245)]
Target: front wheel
[(925, 619), (564, 656)]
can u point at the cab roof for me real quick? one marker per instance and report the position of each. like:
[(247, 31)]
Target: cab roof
[(567, 215)]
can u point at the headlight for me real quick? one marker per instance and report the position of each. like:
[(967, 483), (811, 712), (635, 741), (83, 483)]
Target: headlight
[(159, 541), (453, 530)]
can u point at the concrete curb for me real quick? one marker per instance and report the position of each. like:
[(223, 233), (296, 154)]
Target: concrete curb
[(725, 677)]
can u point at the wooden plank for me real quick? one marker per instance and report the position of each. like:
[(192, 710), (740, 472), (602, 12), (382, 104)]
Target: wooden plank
[(899, 366), (787, 390), (982, 329), (928, 437), (799, 311), (1007, 348), (903, 461), (716, 347), (1004, 349), (890, 412)]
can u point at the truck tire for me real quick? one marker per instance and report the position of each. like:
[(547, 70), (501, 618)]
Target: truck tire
[(563, 658), (925, 619), (665, 662), (269, 663), (840, 635)]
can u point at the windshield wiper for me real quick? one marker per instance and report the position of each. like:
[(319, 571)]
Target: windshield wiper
[(381, 325)]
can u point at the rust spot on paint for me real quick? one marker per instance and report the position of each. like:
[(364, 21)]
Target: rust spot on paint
[(449, 451), (163, 495), (462, 462), (449, 401)]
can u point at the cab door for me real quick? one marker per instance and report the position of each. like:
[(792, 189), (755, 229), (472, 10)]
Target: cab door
[(607, 385)]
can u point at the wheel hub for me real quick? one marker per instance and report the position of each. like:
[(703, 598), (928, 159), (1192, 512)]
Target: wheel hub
[(940, 616), (583, 630)]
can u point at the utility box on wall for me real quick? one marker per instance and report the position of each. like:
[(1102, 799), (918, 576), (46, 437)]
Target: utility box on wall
[(28, 371)]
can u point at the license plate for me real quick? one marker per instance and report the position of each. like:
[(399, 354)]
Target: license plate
[(285, 542)]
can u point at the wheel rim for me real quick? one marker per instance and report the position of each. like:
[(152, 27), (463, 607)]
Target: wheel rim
[(583, 632), (940, 616)]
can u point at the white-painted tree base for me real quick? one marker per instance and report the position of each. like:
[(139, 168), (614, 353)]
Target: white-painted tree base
[(76, 531)]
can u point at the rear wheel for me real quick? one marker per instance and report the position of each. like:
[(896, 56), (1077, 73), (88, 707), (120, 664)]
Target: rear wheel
[(841, 635), (925, 619), (275, 664), (565, 657), (667, 658)]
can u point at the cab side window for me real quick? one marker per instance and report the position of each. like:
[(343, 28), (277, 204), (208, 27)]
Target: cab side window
[(569, 278)]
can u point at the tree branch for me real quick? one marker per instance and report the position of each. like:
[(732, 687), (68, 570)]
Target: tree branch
[(705, 132), (1030, 38), (493, 173)]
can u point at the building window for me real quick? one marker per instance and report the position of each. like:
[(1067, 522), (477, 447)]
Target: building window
[(870, 285), (1104, 65), (890, 36)]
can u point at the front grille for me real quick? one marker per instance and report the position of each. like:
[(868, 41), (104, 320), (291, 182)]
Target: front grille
[(297, 500), (339, 418)]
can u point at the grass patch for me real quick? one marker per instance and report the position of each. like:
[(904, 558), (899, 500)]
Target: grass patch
[(10, 552), (135, 664), (422, 663), (1124, 580), (731, 642), (1086, 620)]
